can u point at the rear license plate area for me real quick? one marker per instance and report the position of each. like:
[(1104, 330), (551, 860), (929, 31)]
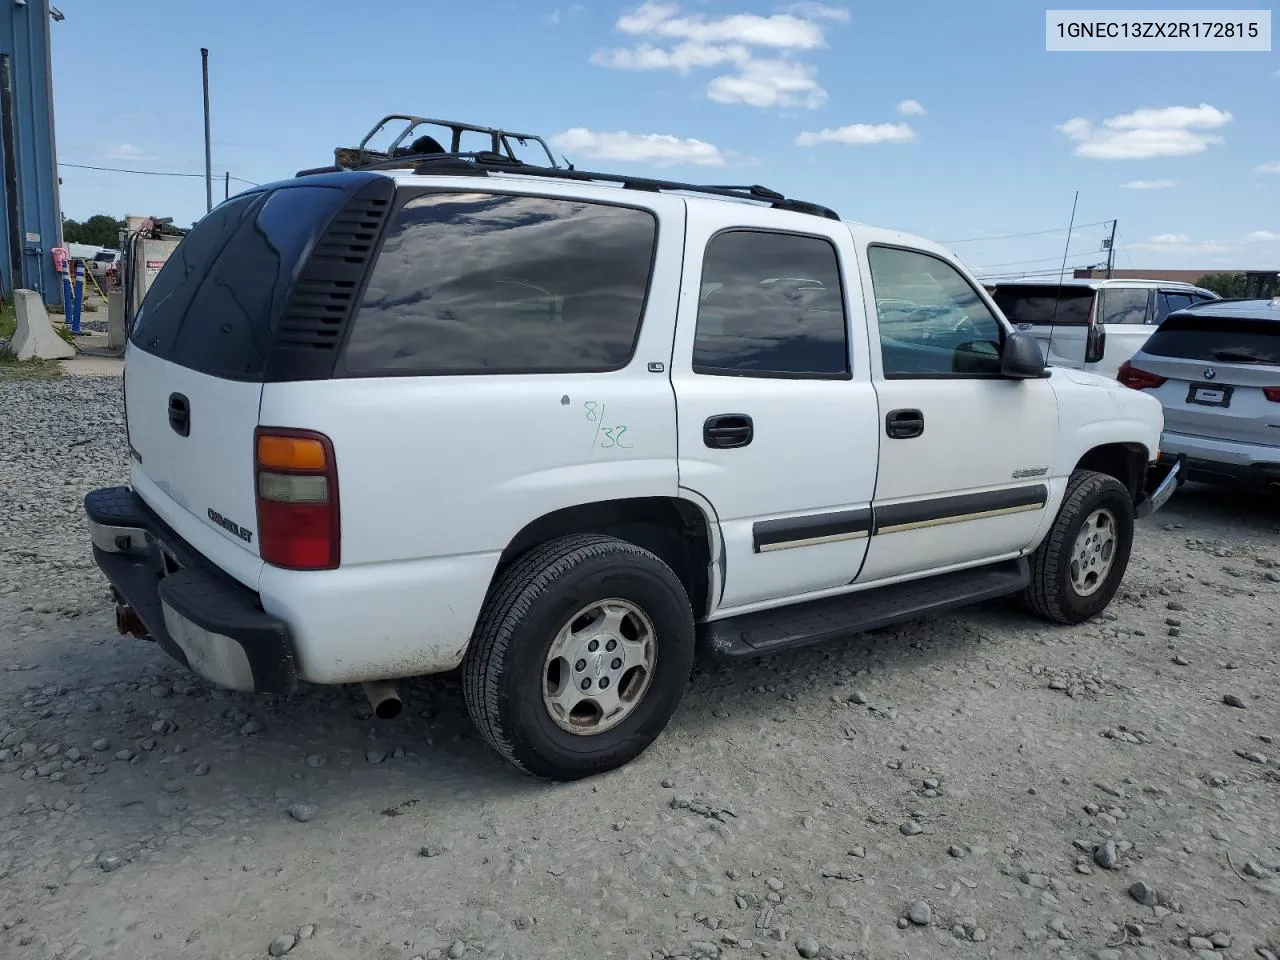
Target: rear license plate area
[(1209, 396)]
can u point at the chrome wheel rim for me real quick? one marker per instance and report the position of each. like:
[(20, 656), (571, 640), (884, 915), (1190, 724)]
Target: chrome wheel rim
[(599, 667), (1094, 552)]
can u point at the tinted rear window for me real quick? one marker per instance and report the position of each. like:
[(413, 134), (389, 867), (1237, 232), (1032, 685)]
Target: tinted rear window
[(1048, 304), (471, 283), (1221, 339), (233, 281)]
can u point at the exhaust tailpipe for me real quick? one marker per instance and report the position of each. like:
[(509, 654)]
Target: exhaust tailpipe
[(128, 621), (383, 698)]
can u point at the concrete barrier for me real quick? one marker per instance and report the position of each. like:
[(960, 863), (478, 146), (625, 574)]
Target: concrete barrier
[(115, 320), (34, 337)]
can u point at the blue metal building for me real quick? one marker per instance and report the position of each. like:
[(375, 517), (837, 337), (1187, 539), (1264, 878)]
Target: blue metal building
[(31, 216)]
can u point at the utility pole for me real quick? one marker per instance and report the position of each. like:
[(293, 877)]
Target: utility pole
[(1111, 248), (226, 186), (208, 151)]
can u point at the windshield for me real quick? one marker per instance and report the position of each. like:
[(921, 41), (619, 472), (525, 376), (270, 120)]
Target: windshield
[(1045, 304)]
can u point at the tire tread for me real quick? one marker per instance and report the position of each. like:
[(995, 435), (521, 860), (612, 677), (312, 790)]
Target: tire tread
[(520, 585), (1044, 594)]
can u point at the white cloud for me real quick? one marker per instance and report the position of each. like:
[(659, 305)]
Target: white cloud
[(1162, 132), (558, 16), (1271, 167), (1181, 243), (658, 149), (911, 108), (859, 134), (1149, 184), (126, 151), (682, 57), (769, 83), (782, 30), (1262, 236), (762, 50), (817, 11)]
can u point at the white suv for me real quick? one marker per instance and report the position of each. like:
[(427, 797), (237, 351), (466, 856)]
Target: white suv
[(1093, 325), (554, 427)]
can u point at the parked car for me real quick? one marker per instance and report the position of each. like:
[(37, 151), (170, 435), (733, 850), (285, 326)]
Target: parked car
[(1093, 325), (353, 460), (104, 262), (1216, 370)]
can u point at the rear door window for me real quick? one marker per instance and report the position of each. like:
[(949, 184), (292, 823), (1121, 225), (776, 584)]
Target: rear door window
[(1219, 339), (1044, 305), (473, 283), (772, 306), (1119, 305)]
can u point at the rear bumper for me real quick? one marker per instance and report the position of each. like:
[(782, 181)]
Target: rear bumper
[(1209, 460), (197, 614), (1163, 479)]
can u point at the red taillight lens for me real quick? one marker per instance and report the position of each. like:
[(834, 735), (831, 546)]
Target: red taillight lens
[(1272, 394), (297, 492), (1137, 378)]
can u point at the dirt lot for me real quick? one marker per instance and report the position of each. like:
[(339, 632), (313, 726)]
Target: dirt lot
[(976, 786)]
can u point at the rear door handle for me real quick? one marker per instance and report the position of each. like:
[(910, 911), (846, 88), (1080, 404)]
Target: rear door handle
[(180, 414), (728, 430), (904, 424)]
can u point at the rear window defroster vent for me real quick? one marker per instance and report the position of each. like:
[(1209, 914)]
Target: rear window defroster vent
[(324, 296)]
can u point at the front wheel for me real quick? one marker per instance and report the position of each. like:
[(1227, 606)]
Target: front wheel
[(580, 656), (1077, 570)]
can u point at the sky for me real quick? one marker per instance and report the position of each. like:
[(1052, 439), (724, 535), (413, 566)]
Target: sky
[(944, 119)]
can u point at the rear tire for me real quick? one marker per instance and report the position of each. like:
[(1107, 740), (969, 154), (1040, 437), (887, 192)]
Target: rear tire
[(546, 702), (1078, 568)]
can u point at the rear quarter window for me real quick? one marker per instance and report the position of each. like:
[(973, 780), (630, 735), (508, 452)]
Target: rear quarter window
[(474, 283), (1217, 339)]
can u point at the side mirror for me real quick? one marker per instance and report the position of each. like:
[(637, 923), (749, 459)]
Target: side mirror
[(1021, 358)]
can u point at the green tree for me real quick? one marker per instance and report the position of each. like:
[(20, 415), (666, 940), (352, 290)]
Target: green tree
[(1224, 284), (99, 230)]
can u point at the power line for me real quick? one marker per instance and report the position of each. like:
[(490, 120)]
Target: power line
[(148, 173), (1054, 259), (1011, 236)]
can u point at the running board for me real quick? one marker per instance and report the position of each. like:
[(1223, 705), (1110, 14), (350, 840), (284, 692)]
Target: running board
[(815, 621)]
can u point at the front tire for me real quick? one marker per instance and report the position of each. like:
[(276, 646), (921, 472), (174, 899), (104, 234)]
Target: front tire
[(1078, 568), (580, 656)]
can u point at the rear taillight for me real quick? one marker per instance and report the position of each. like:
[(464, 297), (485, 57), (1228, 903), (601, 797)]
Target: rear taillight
[(1137, 378), (1095, 344), (1272, 394), (296, 478)]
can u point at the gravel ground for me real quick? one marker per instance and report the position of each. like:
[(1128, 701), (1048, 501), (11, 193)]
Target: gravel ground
[(980, 785)]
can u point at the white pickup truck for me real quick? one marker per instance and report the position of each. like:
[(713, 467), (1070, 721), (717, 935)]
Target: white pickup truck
[(560, 429)]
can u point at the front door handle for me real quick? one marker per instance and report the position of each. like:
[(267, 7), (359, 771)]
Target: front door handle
[(904, 424), (728, 430), (180, 414)]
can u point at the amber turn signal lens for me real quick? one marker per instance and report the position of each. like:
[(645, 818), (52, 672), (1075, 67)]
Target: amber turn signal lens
[(290, 453)]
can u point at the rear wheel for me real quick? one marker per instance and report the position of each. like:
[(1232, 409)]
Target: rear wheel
[(580, 656), (1078, 568)]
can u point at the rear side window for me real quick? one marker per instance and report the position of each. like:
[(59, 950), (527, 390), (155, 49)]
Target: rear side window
[(1220, 339), (1167, 303), (473, 283), (1047, 304), (1123, 306), (230, 323), (772, 306)]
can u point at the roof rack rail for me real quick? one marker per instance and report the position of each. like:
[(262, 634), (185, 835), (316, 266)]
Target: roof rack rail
[(413, 142), (480, 164)]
